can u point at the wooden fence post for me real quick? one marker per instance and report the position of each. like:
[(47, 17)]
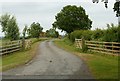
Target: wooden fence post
[(19, 43), (23, 43), (112, 48), (84, 48), (76, 43), (82, 42)]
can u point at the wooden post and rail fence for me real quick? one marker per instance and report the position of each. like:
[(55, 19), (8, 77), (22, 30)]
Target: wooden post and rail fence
[(14, 46), (103, 47)]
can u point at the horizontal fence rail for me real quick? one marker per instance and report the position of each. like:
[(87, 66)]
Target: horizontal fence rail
[(10, 47), (103, 47)]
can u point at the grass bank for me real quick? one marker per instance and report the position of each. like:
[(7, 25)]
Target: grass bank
[(19, 58), (101, 66)]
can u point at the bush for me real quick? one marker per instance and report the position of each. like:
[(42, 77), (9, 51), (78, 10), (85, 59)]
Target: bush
[(112, 34), (76, 34), (79, 34), (87, 34), (97, 34), (118, 34)]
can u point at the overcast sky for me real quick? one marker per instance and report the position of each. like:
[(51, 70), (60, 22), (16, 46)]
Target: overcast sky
[(44, 11)]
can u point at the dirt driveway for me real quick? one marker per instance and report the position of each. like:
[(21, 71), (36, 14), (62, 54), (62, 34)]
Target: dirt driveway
[(51, 62)]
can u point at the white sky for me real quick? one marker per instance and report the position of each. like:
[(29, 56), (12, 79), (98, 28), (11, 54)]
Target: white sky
[(44, 11)]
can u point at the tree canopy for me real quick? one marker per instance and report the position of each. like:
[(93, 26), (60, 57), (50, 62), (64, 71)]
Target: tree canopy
[(4, 20), (35, 30), (72, 18), (9, 27), (117, 8)]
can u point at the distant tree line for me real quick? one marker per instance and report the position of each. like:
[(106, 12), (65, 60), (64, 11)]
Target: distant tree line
[(11, 29), (69, 19), (52, 33)]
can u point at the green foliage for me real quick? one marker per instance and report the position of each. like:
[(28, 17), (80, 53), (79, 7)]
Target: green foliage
[(4, 20), (79, 34), (52, 33), (117, 8), (12, 30), (9, 27), (35, 30), (118, 34), (97, 34), (72, 18), (112, 34), (85, 48)]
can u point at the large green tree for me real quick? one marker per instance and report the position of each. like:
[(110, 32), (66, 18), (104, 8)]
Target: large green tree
[(35, 30), (72, 18), (9, 27), (3, 21)]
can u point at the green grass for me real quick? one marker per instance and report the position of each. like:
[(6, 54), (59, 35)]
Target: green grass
[(101, 66), (19, 58)]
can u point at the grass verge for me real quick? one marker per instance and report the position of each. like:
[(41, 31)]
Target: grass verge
[(18, 58), (101, 66)]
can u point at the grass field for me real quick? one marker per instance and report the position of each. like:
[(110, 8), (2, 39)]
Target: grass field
[(101, 66), (19, 58)]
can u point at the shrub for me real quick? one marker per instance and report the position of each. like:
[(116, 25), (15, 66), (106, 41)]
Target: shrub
[(118, 34), (76, 34), (79, 34), (97, 34), (112, 34)]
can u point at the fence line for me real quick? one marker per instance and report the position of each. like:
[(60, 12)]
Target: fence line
[(104, 47), (10, 47), (13, 46)]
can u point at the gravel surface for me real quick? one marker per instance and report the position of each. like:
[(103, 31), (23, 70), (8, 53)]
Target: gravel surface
[(51, 62)]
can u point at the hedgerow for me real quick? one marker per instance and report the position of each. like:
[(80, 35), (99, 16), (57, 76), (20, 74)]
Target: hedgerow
[(111, 34)]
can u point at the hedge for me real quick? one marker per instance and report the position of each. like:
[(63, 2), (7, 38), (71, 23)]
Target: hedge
[(111, 34)]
